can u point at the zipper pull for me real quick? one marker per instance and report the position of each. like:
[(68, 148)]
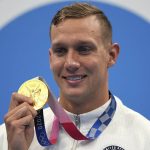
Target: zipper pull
[(77, 120)]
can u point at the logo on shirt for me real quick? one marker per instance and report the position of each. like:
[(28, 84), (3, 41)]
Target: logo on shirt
[(113, 147)]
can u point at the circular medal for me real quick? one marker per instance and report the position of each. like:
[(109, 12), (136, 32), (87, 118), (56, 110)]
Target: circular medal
[(37, 90)]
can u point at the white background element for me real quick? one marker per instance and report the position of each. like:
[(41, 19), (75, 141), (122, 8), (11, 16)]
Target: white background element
[(10, 9)]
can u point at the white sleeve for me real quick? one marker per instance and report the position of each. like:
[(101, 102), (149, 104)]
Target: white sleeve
[(3, 138)]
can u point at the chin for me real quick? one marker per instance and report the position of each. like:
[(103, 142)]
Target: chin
[(74, 97)]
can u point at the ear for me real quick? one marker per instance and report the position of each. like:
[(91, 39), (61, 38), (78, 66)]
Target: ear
[(50, 57), (113, 54)]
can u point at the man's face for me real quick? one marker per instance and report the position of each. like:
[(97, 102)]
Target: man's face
[(79, 59)]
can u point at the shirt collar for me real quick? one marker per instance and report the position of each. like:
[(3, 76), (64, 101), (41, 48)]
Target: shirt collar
[(88, 119)]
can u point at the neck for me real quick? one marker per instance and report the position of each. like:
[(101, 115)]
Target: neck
[(84, 104)]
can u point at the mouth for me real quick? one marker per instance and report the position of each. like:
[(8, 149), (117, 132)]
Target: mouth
[(74, 78)]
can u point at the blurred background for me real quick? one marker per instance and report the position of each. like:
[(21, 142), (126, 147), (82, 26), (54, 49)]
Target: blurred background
[(24, 44)]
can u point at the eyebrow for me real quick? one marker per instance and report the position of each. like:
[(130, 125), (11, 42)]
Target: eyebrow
[(58, 45)]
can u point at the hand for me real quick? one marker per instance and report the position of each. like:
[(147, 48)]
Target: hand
[(19, 122)]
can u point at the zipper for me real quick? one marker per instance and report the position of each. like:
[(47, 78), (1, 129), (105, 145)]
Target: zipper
[(77, 123)]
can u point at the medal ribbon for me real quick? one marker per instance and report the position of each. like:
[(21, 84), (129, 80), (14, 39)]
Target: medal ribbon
[(61, 118)]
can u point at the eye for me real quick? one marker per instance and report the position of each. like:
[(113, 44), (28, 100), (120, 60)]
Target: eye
[(84, 49), (60, 51)]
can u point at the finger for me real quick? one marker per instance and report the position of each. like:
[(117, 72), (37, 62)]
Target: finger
[(28, 107), (20, 111), (24, 122), (17, 99)]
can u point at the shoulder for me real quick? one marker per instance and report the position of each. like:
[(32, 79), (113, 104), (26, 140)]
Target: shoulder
[(3, 137), (3, 130), (132, 118)]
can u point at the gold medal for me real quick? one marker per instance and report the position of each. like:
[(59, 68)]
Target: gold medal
[(37, 90)]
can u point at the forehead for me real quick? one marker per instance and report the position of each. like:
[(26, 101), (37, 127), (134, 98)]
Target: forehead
[(83, 28)]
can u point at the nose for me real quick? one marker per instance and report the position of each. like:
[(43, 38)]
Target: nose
[(72, 61)]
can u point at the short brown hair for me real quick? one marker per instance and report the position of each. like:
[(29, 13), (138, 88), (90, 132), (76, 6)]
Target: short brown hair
[(82, 10)]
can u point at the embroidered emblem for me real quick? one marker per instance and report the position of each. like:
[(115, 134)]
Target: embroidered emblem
[(113, 147)]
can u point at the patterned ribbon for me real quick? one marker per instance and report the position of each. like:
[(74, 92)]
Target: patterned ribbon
[(61, 118)]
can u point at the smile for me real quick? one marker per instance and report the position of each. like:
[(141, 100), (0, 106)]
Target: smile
[(75, 77)]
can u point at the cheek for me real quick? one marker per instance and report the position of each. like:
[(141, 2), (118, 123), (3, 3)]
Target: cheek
[(56, 66), (92, 66), (97, 70)]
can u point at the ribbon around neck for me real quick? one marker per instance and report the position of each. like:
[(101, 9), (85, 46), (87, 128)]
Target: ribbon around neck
[(62, 118)]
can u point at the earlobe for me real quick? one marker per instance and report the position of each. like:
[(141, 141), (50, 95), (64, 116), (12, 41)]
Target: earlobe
[(113, 54)]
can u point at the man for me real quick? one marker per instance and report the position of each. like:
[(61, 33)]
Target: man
[(80, 56)]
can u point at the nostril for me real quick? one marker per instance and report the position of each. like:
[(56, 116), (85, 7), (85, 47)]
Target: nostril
[(72, 66)]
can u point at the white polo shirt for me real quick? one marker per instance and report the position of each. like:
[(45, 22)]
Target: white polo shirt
[(128, 130)]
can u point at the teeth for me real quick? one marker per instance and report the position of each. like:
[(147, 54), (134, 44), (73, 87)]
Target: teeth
[(74, 78)]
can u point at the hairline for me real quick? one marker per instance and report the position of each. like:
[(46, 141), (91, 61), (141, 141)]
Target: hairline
[(89, 10), (101, 26)]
